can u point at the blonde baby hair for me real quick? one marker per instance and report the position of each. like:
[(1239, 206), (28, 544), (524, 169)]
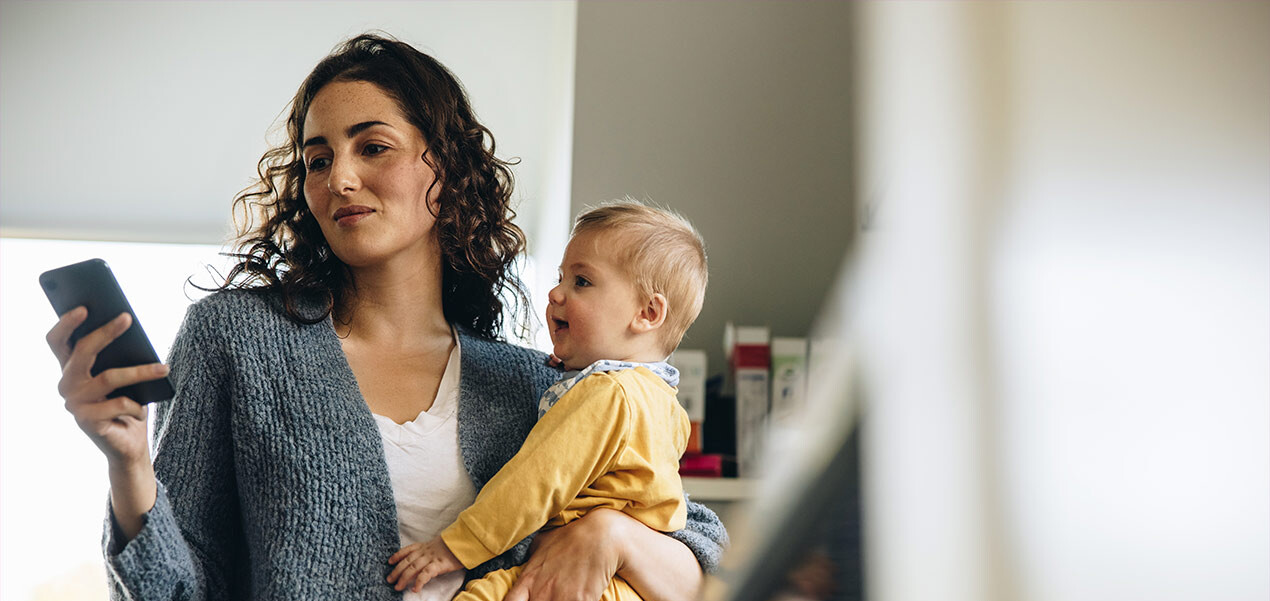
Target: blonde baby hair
[(661, 252)]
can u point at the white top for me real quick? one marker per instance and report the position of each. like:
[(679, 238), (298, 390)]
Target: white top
[(429, 482)]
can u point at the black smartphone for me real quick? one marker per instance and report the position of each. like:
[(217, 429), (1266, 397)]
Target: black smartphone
[(91, 284)]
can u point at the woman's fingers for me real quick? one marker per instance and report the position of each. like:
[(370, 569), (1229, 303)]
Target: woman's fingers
[(519, 590), (574, 561), (108, 410), (117, 426), (85, 352), (59, 337), (114, 379), (104, 383)]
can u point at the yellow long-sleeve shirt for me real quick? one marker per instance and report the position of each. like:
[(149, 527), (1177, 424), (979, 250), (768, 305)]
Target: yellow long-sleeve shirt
[(612, 441)]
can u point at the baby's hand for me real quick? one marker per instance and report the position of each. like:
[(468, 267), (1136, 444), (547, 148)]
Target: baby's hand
[(420, 563)]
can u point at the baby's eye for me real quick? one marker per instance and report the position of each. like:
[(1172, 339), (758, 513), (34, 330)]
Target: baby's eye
[(580, 281), (317, 164), (373, 149)]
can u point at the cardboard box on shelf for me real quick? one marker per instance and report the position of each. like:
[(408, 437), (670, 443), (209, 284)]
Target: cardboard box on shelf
[(750, 360), (789, 377), (691, 364)]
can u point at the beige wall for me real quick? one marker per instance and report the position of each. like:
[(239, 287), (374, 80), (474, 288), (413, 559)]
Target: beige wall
[(738, 116)]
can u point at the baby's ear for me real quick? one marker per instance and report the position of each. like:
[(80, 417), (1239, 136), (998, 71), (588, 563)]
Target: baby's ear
[(652, 315)]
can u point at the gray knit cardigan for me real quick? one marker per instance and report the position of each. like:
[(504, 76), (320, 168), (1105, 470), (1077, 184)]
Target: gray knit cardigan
[(272, 479)]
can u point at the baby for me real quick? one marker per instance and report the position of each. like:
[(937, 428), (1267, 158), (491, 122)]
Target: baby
[(610, 432)]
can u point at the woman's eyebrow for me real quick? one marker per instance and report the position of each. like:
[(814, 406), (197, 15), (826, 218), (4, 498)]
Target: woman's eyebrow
[(352, 130)]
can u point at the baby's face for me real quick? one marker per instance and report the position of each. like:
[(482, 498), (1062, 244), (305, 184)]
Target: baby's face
[(591, 311)]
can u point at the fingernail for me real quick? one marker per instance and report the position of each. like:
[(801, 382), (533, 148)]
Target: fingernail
[(161, 370)]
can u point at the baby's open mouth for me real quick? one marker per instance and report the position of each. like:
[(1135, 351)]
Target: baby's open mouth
[(560, 324)]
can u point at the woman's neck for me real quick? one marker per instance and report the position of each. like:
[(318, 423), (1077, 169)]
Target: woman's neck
[(396, 304)]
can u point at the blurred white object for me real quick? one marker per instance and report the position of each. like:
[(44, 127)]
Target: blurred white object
[(1059, 311), (1060, 304), (691, 364)]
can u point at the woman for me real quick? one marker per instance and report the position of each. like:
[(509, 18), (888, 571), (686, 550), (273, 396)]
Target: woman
[(345, 384)]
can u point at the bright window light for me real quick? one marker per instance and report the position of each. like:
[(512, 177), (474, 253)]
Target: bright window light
[(53, 485)]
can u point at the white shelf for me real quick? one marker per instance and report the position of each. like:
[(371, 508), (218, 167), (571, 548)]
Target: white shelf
[(719, 489)]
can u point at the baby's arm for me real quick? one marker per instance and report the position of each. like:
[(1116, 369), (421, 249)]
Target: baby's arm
[(575, 443), (420, 563)]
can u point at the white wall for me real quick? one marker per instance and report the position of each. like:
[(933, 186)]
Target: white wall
[(736, 114), (141, 120)]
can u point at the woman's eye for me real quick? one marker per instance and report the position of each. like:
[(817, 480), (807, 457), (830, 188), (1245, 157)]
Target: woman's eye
[(317, 164), (373, 149)]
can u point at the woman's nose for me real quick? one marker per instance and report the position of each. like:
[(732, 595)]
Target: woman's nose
[(343, 179)]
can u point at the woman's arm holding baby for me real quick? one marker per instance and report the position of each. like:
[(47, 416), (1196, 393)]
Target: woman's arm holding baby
[(657, 566), (577, 561)]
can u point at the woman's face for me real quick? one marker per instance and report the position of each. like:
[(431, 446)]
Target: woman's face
[(366, 181)]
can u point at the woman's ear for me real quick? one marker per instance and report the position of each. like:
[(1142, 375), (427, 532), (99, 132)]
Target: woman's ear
[(652, 315)]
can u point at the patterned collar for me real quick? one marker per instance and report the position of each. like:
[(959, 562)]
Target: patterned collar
[(662, 369)]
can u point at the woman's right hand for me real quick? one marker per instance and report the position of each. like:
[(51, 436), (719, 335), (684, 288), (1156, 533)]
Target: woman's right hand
[(116, 425)]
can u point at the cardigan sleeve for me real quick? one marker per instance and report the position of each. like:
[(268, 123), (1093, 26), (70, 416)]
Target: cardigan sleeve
[(188, 540), (704, 535)]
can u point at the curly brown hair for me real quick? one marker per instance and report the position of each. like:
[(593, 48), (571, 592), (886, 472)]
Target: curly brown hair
[(287, 252)]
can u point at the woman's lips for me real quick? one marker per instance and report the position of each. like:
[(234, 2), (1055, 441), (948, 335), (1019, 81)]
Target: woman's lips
[(352, 214)]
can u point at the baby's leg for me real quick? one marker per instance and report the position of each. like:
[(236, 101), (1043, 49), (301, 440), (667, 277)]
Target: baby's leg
[(618, 590), (490, 587), (494, 586)]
